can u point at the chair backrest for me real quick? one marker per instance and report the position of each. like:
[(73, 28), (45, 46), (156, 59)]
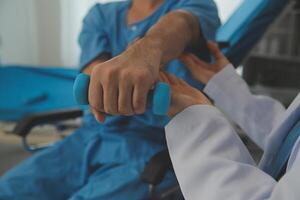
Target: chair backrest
[(234, 26), (247, 25)]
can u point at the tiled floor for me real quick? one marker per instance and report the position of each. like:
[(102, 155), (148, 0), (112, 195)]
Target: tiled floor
[(11, 151)]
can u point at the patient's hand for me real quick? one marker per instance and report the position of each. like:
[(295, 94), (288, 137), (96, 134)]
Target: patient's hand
[(120, 86), (183, 95), (203, 71)]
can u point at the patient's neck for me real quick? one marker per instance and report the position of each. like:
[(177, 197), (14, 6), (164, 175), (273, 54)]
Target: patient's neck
[(146, 4), (141, 9)]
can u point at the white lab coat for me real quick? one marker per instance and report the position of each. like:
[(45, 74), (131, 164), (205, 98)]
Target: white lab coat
[(210, 160)]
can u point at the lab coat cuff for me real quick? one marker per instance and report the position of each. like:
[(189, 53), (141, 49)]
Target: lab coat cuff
[(221, 79), (190, 117), (223, 83)]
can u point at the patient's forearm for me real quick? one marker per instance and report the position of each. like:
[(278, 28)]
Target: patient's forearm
[(171, 35)]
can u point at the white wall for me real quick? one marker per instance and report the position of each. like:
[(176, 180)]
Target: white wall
[(72, 11), (29, 32), (48, 19), (226, 7), (18, 32)]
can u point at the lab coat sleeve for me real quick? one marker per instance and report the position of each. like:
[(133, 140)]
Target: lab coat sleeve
[(256, 115), (211, 162)]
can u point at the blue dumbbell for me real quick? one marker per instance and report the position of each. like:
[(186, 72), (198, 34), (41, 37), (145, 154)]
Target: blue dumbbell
[(159, 98)]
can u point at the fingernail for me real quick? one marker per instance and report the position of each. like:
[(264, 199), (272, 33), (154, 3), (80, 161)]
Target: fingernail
[(100, 119)]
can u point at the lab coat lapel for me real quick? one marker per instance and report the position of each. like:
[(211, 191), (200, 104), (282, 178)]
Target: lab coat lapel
[(278, 134)]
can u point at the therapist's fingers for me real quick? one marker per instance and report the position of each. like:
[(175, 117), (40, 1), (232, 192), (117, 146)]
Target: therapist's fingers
[(200, 70), (215, 50), (198, 63), (125, 106), (172, 79), (163, 77), (221, 60), (182, 82), (193, 66)]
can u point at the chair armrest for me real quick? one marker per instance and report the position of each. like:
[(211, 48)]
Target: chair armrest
[(156, 169), (24, 127)]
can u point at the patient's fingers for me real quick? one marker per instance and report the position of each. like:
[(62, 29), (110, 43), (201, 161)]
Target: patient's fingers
[(95, 95), (100, 117), (110, 98), (139, 98), (125, 95)]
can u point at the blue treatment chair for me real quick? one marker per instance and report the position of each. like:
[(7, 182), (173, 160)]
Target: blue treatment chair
[(26, 90), (237, 36), (247, 25)]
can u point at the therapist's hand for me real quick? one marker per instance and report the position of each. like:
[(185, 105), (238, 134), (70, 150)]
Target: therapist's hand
[(120, 86), (201, 70), (183, 95)]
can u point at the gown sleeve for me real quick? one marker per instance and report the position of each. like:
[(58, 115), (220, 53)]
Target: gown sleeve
[(206, 12), (93, 39)]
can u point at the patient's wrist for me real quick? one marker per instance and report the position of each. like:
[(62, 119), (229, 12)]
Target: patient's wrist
[(150, 50)]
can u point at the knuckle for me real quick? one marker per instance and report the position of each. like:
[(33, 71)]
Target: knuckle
[(124, 74), (96, 105), (97, 70), (141, 76), (123, 79), (110, 74)]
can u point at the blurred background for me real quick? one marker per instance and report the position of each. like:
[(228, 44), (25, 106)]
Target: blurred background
[(43, 33)]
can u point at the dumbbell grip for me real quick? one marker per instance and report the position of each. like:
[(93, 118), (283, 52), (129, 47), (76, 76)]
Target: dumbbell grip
[(160, 97)]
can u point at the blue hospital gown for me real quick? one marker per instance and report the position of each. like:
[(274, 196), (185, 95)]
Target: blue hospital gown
[(104, 161)]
